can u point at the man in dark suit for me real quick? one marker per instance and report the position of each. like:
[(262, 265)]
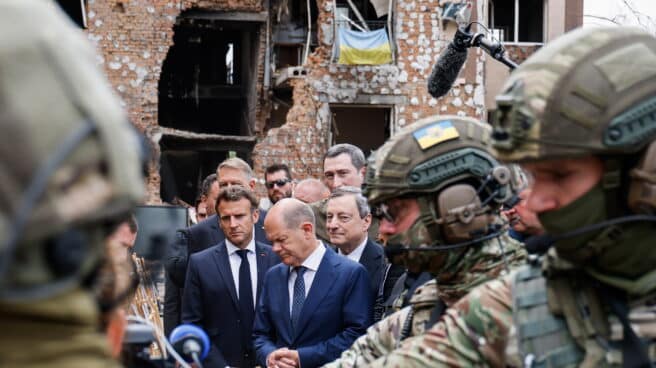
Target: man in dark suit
[(224, 281), (196, 238), (315, 304), (347, 220)]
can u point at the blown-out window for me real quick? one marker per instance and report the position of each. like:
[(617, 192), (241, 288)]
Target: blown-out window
[(517, 20)]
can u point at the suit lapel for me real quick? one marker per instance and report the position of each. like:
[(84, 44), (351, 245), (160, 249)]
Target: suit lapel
[(370, 259), (323, 282), (283, 292), (223, 265), (262, 263)]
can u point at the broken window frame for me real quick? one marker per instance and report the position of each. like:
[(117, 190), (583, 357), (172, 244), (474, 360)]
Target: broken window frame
[(516, 32), (362, 26)]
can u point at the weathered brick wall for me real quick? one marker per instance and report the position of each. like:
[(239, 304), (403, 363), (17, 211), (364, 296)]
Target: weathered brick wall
[(133, 38), (519, 53), (420, 37)]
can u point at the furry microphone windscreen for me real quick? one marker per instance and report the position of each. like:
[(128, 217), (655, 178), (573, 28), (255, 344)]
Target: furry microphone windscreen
[(446, 71)]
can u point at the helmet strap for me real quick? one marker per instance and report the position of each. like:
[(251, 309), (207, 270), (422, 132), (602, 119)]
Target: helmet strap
[(430, 217), (610, 183)]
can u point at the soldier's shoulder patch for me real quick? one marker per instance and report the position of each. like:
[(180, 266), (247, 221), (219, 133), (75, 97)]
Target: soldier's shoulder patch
[(435, 133)]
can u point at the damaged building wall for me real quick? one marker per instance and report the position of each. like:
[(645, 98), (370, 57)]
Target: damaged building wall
[(133, 38), (419, 37)]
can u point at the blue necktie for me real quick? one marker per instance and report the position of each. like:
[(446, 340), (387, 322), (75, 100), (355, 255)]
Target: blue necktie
[(246, 310), (299, 295)]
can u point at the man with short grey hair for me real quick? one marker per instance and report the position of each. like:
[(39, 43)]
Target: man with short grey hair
[(347, 220), (343, 164)]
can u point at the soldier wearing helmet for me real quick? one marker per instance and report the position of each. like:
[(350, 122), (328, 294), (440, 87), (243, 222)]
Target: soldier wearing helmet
[(437, 190), (580, 116), (71, 169)]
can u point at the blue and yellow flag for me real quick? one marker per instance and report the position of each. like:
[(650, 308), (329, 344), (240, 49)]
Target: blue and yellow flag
[(369, 48), (436, 133)]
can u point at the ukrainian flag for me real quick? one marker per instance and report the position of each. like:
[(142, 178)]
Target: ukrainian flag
[(370, 48), (438, 132)]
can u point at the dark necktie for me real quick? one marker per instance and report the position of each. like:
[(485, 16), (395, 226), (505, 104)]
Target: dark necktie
[(246, 310), (299, 295)]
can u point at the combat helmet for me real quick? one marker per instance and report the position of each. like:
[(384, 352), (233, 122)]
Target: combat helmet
[(444, 162), (590, 92), (70, 161)]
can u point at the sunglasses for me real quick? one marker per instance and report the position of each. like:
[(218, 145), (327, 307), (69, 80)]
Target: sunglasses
[(280, 183)]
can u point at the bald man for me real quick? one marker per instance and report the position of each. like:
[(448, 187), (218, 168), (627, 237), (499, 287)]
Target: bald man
[(310, 191), (315, 303)]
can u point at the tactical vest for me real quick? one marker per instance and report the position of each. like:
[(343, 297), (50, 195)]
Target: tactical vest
[(562, 322)]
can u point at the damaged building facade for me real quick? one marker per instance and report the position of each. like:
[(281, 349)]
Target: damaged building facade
[(263, 78)]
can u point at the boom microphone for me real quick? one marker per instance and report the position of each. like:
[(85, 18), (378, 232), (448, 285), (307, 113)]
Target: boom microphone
[(449, 63)]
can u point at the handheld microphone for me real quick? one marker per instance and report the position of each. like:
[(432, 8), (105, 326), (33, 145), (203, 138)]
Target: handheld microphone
[(191, 342), (448, 65)]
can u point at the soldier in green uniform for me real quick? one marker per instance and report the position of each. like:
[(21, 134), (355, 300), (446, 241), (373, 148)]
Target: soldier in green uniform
[(580, 115), (438, 191), (70, 170)]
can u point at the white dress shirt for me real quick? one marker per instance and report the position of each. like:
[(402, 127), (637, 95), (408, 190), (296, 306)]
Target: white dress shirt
[(311, 264), (356, 254), (235, 263)]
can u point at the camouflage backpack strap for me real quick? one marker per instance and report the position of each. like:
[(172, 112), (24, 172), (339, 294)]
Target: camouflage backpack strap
[(544, 339)]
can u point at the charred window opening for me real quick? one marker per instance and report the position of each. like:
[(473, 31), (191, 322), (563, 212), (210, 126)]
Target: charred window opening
[(350, 121), (517, 20), (290, 31), (206, 78), (207, 97)]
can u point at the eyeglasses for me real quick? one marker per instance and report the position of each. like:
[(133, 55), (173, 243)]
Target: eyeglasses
[(381, 211), (279, 182)]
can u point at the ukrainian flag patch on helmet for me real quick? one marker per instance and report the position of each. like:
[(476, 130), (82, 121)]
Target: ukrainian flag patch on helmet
[(435, 133)]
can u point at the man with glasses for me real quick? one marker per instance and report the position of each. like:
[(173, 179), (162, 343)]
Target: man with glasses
[(278, 181)]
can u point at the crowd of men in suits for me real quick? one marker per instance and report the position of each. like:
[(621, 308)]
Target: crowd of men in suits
[(288, 287)]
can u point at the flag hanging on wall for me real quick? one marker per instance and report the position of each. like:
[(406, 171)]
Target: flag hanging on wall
[(369, 48)]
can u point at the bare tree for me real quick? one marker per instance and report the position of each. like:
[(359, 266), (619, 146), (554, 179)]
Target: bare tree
[(629, 15)]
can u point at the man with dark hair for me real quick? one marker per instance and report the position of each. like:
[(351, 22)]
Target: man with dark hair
[(223, 282), (209, 190), (278, 182), (126, 232), (231, 172), (343, 164), (315, 304)]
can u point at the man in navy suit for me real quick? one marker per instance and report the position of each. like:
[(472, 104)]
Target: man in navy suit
[(223, 282), (233, 171), (347, 221), (315, 304)]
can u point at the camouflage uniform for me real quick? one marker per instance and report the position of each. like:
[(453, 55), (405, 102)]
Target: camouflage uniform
[(480, 264), (589, 301), (71, 167), (444, 165)]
